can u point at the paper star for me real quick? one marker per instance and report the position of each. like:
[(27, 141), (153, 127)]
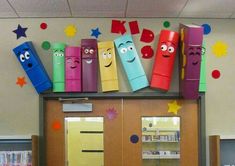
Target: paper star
[(111, 113), (173, 107), (20, 32), (95, 32), (219, 49), (70, 31), (21, 81)]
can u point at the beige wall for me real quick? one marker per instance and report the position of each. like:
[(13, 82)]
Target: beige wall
[(19, 106)]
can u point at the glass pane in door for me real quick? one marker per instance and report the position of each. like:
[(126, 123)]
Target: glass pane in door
[(160, 141), (84, 141)]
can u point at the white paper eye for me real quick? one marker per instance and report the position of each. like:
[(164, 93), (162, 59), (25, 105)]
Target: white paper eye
[(92, 51), (22, 58), (109, 55), (86, 51), (104, 55), (130, 48), (26, 54), (123, 50), (61, 54), (163, 47), (171, 49), (56, 54)]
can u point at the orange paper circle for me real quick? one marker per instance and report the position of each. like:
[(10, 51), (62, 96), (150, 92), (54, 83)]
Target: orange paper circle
[(56, 125)]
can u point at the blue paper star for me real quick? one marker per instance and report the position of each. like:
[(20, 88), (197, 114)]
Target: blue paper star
[(95, 32), (20, 32)]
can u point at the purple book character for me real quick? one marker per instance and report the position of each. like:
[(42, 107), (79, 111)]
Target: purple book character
[(190, 60), (73, 69), (89, 65)]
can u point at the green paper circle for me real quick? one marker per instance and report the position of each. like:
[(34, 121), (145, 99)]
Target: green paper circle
[(166, 24), (46, 45)]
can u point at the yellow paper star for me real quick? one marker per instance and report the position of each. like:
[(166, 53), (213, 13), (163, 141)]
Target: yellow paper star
[(173, 107), (219, 49), (70, 31)]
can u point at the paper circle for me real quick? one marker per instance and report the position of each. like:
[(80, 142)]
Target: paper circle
[(215, 74), (46, 45), (43, 26), (207, 29), (56, 125), (134, 139), (166, 24)]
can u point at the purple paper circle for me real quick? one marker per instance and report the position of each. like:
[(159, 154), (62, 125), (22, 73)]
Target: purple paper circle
[(134, 139)]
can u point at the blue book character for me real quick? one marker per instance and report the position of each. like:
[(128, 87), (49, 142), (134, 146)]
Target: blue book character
[(33, 66), (131, 62)]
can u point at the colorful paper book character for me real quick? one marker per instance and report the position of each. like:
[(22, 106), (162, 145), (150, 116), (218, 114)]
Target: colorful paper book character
[(89, 65), (202, 84), (164, 60), (131, 62), (33, 66), (73, 69), (190, 60), (108, 67), (58, 67)]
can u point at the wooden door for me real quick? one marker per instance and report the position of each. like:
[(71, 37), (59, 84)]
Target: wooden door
[(134, 110), (110, 110)]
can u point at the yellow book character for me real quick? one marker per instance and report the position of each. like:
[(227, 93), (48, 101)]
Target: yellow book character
[(108, 67)]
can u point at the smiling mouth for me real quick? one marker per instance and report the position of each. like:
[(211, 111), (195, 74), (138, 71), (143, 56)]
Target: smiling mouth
[(89, 61), (166, 56), (73, 67), (132, 60), (108, 64), (195, 63)]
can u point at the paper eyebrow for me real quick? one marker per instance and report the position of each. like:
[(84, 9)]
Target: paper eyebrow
[(108, 49), (121, 44), (129, 41)]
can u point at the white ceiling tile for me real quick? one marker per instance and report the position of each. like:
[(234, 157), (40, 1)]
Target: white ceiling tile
[(6, 10), (98, 8), (41, 8), (154, 8), (209, 8)]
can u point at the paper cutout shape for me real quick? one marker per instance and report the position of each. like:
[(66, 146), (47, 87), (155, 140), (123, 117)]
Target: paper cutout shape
[(207, 29), (131, 62), (190, 60), (111, 113), (173, 107), (46, 45), (31, 63), (58, 50), (56, 125), (215, 74), (108, 66), (147, 36), (134, 27), (95, 32), (73, 69), (134, 139), (166, 24), (219, 49), (20, 32), (89, 65), (43, 26), (164, 60), (202, 83), (147, 52), (21, 81), (118, 27), (70, 31)]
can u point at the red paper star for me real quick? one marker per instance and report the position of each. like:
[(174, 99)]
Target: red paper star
[(21, 81)]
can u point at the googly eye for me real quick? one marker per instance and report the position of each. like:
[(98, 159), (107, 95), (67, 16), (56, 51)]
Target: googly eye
[(123, 50), (22, 58), (104, 55), (163, 47), (130, 48), (61, 54), (92, 51), (109, 55), (86, 51), (171, 49), (26, 54), (56, 54)]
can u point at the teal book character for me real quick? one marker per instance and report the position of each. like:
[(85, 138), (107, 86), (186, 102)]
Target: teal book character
[(131, 62), (202, 84), (58, 67)]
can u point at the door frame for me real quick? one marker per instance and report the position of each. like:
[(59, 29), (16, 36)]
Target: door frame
[(120, 95)]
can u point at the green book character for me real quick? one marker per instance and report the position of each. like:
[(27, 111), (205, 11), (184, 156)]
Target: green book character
[(202, 84), (58, 67)]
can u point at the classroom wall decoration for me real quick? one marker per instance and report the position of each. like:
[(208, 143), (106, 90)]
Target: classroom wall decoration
[(70, 31), (21, 81), (219, 49), (20, 32), (174, 107)]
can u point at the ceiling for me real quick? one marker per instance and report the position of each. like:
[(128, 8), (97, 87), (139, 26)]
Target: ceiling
[(118, 8)]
